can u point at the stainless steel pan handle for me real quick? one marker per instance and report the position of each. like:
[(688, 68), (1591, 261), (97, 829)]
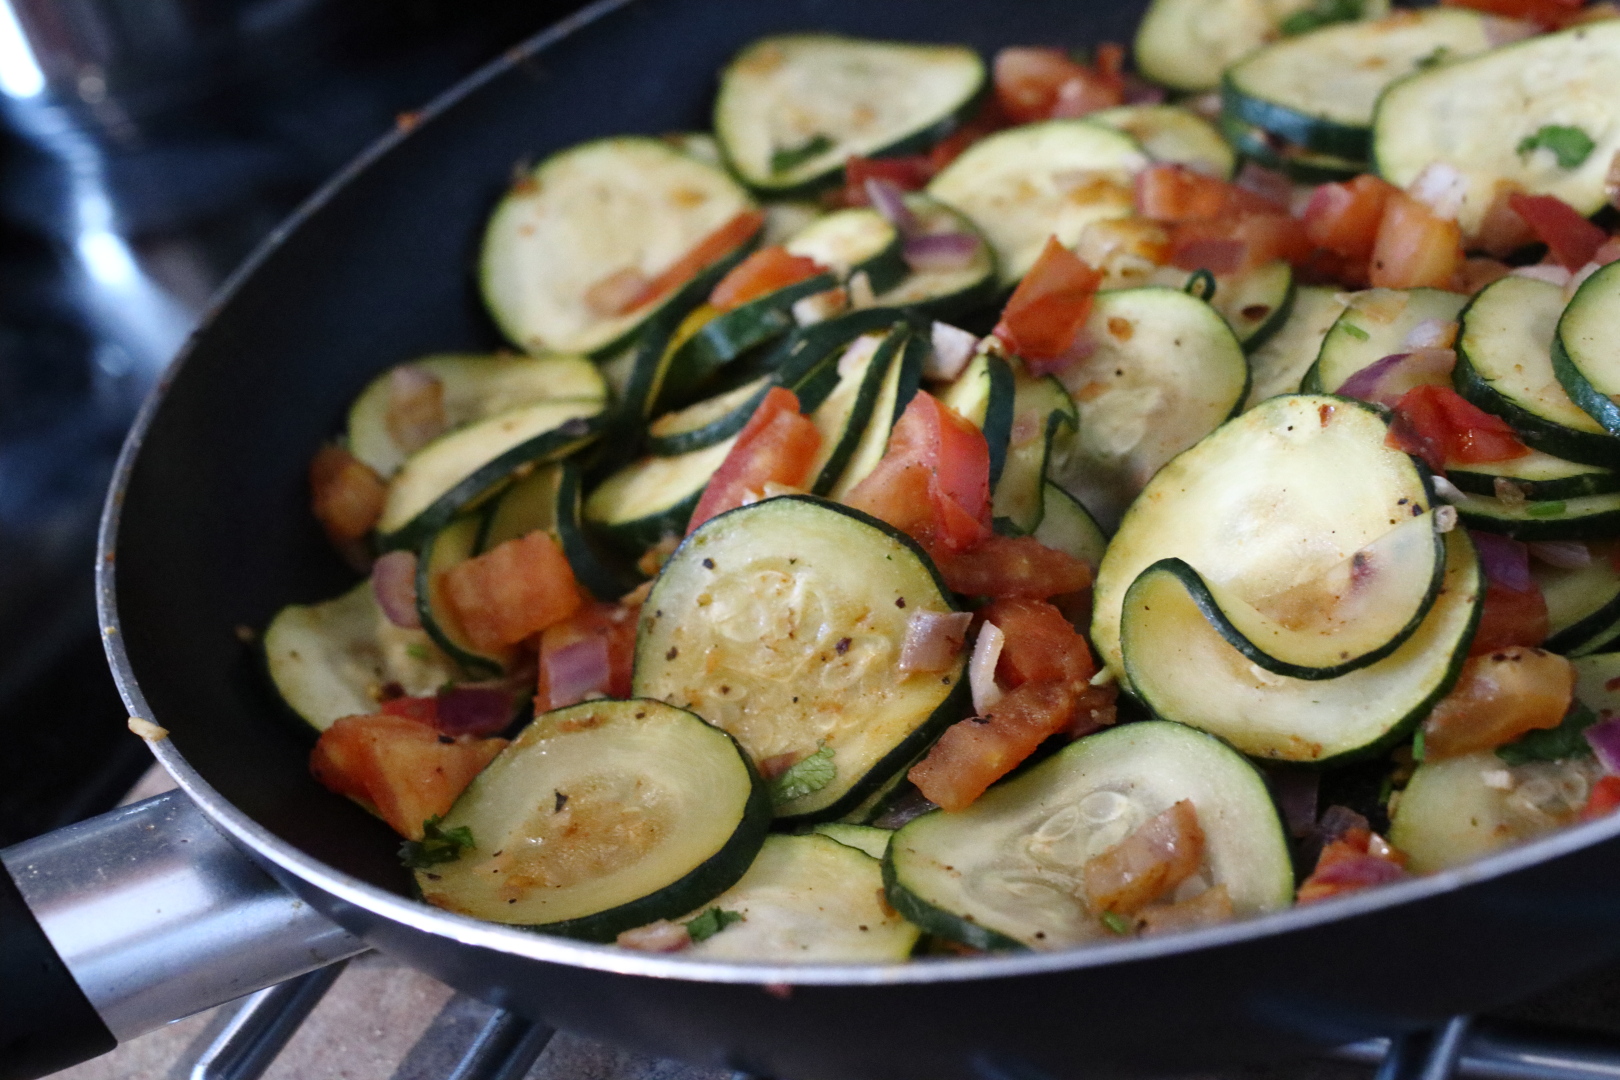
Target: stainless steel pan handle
[(125, 922)]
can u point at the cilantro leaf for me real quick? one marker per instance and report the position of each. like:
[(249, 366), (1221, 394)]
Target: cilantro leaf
[(711, 922), (1356, 332), (1321, 13), (785, 158), (436, 846), (1117, 923), (1567, 740), (1438, 56), (804, 777), (1570, 145)]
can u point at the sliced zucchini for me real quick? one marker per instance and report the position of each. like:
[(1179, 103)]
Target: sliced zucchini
[(601, 817), (1319, 90), (1165, 372), (842, 419), (1008, 872), (722, 338), (549, 499), (527, 504), (708, 421), (1027, 183), (1299, 164), (793, 107), (1595, 685), (1476, 116), (1375, 325), (858, 240), (984, 394), (475, 388), (1272, 501), (1278, 366), (1044, 420), (785, 217), (946, 292), (652, 498), (1589, 517), (333, 659), (1174, 134), (1185, 670), (1187, 44), (899, 386), (1255, 305), (1586, 349), (872, 841), (454, 471), (630, 205), (698, 144), (1583, 603), (454, 544), (1504, 365), (1538, 476), (781, 622), (809, 900), (1068, 527), (1455, 810)]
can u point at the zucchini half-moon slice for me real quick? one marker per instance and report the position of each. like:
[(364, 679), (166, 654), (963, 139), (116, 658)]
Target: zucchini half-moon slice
[(1586, 352), (601, 817)]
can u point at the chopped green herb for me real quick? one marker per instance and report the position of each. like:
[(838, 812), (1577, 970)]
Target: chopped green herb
[(711, 922), (1567, 740), (1117, 923), (1570, 145), (1544, 509), (1321, 13), (1386, 789), (436, 846), (1417, 746), (789, 158), (1440, 55), (418, 651), (1356, 332), (804, 777)]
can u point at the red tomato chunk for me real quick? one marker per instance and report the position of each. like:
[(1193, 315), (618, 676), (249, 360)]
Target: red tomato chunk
[(776, 446), (511, 591)]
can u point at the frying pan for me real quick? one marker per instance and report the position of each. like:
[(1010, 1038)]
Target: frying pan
[(207, 530)]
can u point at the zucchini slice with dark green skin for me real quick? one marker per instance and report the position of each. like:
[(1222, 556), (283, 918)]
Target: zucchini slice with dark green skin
[(1279, 365), (708, 421), (625, 205), (900, 384), (729, 335), (1007, 872), (872, 841), (549, 498), (332, 659), (1173, 134), (1044, 421), (1538, 476), (1586, 349), (1255, 305), (793, 107), (1504, 365), (1186, 44), (457, 470), (781, 622), (1273, 500), (843, 417), (1589, 517), (1476, 115), (945, 293), (983, 394), (809, 900), (1184, 670), (454, 544), (1295, 162), (475, 387), (1583, 603), (1067, 526), (649, 499), (1375, 325), (601, 817), (1320, 89), (857, 240)]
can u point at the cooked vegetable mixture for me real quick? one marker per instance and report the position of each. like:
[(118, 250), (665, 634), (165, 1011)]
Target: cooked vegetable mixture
[(968, 506)]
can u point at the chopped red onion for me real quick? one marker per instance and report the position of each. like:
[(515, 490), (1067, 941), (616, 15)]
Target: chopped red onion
[(982, 668), (393, 583), (1441, 187), (953, 348), (1604, 738), (1360, 871), (1564, 554), (888, 200), (1432, 334), (415, 415), (1338, 820), (1266, 183), (1551, 273), (934, 639), (1448, 491), (941, 251), (1388, 380), (576, 670), (1506, 561), (1297, 794), (473, 710)]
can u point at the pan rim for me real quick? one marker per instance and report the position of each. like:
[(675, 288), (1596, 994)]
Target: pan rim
[(259, 841)]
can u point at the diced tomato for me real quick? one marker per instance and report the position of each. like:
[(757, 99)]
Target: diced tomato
[(1502, 231), (1499, 696), (906, 173), (1604, 799), (1415, 247), (346, 494), (1038, 84), (614, 625), (1510, 617), (1569, 237), (1548, 13), (1050, 306), (1040, 645), (424, 710), (1272, 236), (515, 589), (1344, 218), (973, 754), (1438, 425), (1476, 273), (705, 253), (405, 770), (988, 119), (1176, 193), (762, 273), (933, 483), (777, 445), (1160, 854), (1355, 861), (1004, 566)]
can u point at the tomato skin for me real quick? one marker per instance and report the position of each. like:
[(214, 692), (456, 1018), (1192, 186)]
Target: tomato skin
[(1570, 238), (910, 173), (1550, 14), (1415, 247), (762, 273), (777, 445), (1604, 799), (1039, 84), (1438, 425), (1499, 696), (1015, 566), (1049, 307), (1510, 618), (515, 589), (1344, 218), (1349, 864), (707, 251)]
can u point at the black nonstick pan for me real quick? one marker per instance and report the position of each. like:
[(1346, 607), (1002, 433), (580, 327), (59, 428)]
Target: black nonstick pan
[(207, 530)]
